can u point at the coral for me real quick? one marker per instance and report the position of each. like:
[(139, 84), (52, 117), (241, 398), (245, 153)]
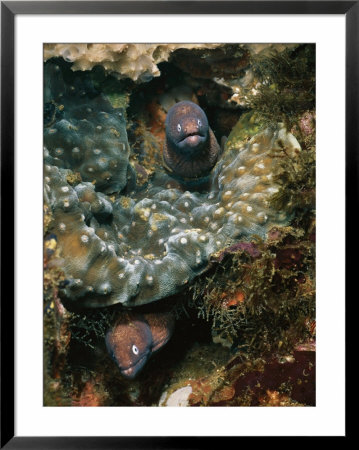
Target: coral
[(138, 62), (89, 136), (247, 126), (138, 249), (146, 153)]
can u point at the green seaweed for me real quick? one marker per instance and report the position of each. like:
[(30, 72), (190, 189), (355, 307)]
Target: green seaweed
[(296, 178), (264, 303), (277, 295), (287, 86), (89, 327)]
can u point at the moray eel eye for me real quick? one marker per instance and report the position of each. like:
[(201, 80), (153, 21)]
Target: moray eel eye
[(179, 128), (199, 123), (135, 349)]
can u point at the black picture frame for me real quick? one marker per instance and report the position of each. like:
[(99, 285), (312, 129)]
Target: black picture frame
[(9, 9)]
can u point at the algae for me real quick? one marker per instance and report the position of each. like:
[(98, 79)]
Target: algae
[(287, 87)]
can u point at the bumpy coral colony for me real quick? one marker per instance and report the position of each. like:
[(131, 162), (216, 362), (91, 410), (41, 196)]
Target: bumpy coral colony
[(141, 245)]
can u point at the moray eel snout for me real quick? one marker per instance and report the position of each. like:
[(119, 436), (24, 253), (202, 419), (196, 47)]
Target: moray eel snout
[(187, 127), (191, 149), (134, 337)]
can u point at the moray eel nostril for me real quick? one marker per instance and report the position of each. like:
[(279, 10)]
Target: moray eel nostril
[(191, 149)]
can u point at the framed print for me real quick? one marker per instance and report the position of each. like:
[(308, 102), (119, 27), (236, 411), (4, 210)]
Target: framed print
[(169, 171)]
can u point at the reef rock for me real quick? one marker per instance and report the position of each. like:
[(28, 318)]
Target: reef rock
[(287, 380), (231, 67)]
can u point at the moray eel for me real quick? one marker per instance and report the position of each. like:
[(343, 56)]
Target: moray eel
[(134, 337), (191, 149)]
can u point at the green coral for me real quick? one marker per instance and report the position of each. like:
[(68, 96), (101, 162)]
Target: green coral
[(246, 127)]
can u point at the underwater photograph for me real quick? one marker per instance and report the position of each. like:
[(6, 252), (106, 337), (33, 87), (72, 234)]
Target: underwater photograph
[(179, 224)]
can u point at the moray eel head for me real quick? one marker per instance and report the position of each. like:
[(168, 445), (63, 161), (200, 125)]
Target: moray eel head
[(134, 337), (129, 343), (187, 127), (191, 149)]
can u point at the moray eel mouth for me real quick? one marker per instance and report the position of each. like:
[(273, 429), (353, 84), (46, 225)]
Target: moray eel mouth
[(192, 141), (131, 371)]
